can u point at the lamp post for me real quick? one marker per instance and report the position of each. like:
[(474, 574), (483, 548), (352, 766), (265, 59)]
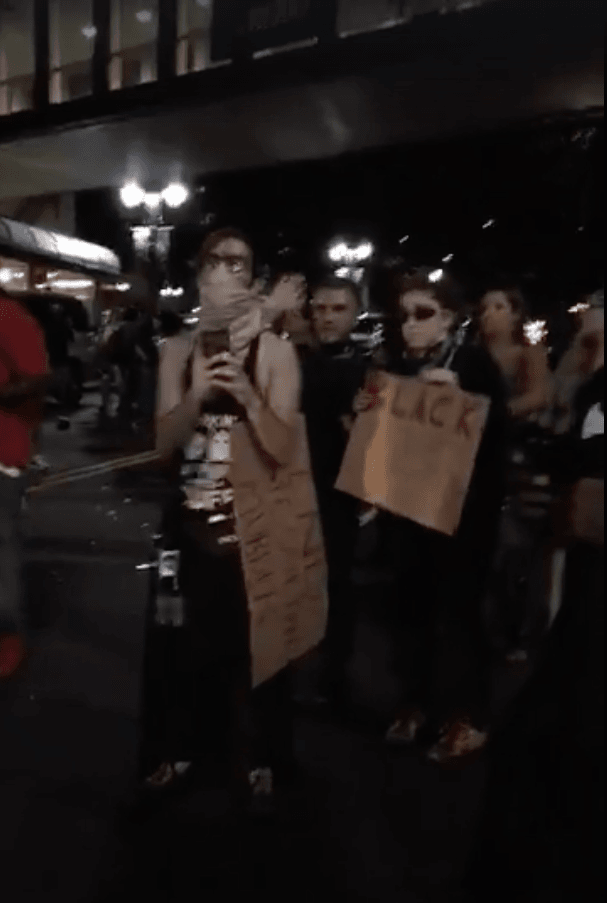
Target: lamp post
[(351, 261), (152, 236)]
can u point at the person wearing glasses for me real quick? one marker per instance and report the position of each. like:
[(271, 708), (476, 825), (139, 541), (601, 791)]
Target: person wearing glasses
[(441, 653), (203, 393)]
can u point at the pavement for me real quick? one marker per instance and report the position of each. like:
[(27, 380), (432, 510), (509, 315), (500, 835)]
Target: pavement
[(369, 823)]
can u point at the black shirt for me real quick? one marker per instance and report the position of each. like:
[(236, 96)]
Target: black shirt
[(331, 377)]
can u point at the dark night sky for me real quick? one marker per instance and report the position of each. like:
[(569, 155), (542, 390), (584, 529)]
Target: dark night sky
[(539, 184)]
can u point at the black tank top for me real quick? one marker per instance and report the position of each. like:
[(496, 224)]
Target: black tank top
[(206, 493)]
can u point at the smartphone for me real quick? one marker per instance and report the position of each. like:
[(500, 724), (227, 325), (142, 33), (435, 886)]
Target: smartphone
[(215, 342)]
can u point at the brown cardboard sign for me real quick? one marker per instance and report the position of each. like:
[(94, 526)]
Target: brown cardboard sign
[(282, 553), (414, 453)]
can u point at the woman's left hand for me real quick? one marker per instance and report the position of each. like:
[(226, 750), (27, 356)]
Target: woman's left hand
[(230, 377), (440, 376)]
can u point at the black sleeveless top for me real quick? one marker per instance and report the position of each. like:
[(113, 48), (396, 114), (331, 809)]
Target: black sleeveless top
[(206, 495)]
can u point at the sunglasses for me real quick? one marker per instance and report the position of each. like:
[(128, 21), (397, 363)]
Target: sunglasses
[(419, 314)]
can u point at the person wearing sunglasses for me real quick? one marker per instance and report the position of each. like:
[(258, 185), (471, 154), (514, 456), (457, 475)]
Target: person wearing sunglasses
[(441, 653)]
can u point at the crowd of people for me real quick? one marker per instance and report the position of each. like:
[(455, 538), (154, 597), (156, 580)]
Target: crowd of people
[(457, 601), (261, 356)]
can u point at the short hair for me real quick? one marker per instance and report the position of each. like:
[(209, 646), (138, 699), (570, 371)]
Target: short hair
[(338, 284), (446, 290), (214, 239)]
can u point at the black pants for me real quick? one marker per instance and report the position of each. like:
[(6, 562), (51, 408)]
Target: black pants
[(197, 702), (340, 528), (442, 657)]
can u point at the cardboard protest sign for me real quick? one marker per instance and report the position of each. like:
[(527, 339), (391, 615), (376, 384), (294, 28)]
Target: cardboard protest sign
[(282, 554), (414, 453)]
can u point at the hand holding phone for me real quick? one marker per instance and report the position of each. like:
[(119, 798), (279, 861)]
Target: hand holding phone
[(215, 342)]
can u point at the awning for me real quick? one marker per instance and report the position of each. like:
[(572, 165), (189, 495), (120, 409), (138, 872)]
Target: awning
[(20, 239)]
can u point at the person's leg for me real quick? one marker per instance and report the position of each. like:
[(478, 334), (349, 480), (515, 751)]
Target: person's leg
[(462, 657), (340, 527), (12, 614), (273, 743)]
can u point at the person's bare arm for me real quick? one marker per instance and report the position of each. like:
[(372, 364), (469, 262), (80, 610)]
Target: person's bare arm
[(271, 416), (177, 410), (271, 410), (536, 396)]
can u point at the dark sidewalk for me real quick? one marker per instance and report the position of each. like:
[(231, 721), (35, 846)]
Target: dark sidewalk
[(370, 823)]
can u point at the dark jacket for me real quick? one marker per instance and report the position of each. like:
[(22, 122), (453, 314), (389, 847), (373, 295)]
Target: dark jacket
[(331, 377)]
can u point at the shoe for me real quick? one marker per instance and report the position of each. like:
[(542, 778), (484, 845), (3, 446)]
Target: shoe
[(459, 743), (405, 729), (12, 654)]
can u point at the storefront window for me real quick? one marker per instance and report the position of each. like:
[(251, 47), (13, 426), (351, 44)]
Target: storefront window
[(17, 59), (72, 42), (194, 35), (134, 35)]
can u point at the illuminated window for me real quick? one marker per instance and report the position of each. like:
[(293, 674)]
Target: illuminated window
[(133, 43), (72, 42), (194, 35), (17, 62)]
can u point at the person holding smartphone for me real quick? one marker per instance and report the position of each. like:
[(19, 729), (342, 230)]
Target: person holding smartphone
[(228, 371)]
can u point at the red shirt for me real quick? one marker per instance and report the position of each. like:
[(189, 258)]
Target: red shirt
[(22, 355)]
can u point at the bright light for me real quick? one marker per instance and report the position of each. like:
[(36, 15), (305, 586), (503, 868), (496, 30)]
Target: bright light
[(72, 283), (489, 223), (132, 195), (89, 31), (123, 287), (152, 200), (536, 331), (579, 308), (6, 275), (349, 255), (169, 292), (365, 251), (175, 194), (448, 258), (144, 16), (404, 239), (436, 275)]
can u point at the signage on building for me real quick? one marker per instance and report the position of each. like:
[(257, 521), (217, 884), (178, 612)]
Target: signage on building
[(262, 24)]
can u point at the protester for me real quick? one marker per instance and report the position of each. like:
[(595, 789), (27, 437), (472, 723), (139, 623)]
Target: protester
[(517, 606), (24, 375), (542, 833), (332, 375), (578, 361), (502, 315), (200, 400), (442, 656)]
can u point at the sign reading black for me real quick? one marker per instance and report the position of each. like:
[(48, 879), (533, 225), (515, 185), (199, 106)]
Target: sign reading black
[(253, 25)]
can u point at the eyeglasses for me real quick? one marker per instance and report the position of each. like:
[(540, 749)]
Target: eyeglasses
[(419, 314), (235, 264)]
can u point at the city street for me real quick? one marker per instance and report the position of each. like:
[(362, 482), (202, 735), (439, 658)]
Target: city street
[(370, 824)]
